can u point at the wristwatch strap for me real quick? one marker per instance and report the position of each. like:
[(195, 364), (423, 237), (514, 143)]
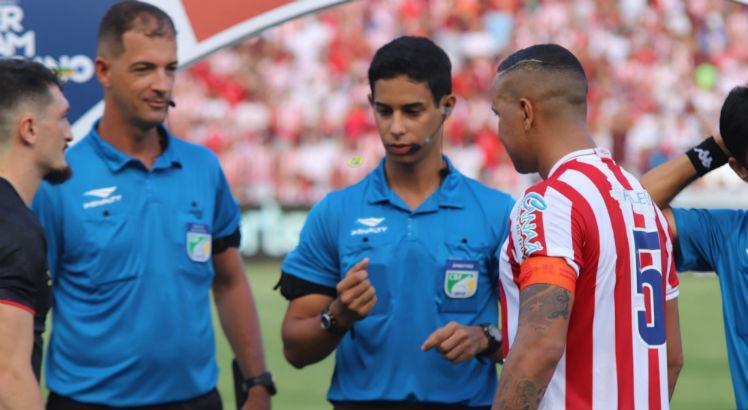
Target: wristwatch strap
[(265, 380)]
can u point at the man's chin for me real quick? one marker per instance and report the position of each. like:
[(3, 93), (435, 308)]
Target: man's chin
[(58, 176)]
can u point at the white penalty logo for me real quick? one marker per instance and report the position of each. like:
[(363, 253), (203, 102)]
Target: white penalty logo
[(373, 226), (105, 195)]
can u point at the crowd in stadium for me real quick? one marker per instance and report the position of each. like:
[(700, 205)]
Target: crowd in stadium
[(286, 117)]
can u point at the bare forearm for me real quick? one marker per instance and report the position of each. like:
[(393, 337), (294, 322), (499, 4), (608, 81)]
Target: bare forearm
[(524, 379), (539, 345), (674, 346), (305, 342), (667, 180), (238, 314), (19, 390)]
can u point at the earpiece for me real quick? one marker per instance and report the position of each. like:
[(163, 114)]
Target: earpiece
[(447, 110)]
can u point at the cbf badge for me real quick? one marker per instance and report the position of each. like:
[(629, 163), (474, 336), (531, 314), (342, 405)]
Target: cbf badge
[(198, 242), (461, 279)]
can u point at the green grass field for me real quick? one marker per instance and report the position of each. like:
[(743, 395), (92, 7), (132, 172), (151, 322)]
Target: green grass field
[(704, 382)]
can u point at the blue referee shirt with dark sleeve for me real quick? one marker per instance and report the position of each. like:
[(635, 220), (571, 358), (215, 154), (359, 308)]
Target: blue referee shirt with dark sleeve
[(429, 266), (130, 258), (717, 240)]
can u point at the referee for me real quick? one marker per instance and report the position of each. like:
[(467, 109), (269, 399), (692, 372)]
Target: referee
[(34, 132), (714, 239), (398, 272)]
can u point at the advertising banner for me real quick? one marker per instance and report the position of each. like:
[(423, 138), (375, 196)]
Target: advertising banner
[(62, 35)]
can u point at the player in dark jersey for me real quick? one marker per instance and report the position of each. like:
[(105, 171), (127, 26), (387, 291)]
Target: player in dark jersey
[(34, 132)]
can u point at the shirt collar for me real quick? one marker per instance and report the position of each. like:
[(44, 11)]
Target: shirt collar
[(600, 152), (449, 193), (116, 160)]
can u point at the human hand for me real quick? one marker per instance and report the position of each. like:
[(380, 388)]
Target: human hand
[(457, 343), (258, 398), (356, 296)]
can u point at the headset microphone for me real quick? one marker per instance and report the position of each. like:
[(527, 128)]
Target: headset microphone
[(172, 104), (445, 113)]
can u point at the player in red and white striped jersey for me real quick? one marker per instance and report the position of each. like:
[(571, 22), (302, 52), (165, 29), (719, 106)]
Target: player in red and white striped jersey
[(588, 266)]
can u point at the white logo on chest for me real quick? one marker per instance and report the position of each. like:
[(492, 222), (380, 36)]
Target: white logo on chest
[(105, 194), (373, 226)]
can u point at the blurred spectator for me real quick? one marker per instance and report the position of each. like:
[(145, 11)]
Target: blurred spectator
[(287, 111)]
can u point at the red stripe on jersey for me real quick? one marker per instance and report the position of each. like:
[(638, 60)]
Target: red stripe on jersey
[(622, 291), (648, 311), (618, 173), (639, 221), (579, 339), (654, 380), (646, 259), (18, 305)]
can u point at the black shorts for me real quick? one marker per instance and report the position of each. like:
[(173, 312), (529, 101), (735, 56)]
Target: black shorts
[(207, 401)]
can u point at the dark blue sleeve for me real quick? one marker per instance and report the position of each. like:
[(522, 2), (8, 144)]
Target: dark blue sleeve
[(702, 234), (315, 258)]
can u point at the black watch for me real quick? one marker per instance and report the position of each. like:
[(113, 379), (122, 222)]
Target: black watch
[(265, 380), (494, 339), (327, 322)]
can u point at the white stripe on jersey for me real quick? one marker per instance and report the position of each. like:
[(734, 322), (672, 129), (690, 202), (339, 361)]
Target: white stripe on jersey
[(604, 383)]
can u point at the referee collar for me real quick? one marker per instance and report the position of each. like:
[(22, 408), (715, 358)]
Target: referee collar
[(449, 193), (116, 160), (600, 152)]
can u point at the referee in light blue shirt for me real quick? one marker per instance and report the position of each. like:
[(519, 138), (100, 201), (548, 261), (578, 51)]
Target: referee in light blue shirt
[(138, 239), (399, 272), (715, 239)]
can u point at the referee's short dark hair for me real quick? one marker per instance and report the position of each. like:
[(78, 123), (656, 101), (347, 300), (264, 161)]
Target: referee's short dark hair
[(131, 15), (416, 57), (23, 82), (733, 123)]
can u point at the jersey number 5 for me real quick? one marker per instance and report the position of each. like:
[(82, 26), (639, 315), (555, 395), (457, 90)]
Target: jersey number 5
[(651, 319)]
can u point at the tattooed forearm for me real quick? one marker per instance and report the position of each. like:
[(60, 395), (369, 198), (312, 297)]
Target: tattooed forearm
[(541, 302), (538, 346), (522, 393)]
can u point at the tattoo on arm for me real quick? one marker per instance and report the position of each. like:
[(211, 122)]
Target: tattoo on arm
[(541, 302), (523, 395), (524, 381)]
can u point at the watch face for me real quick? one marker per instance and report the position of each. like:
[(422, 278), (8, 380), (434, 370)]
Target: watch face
[(494, 332), (325, 321)]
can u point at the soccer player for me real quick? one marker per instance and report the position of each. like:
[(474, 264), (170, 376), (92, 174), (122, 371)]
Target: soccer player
[(34, 132), (588, 264), (714, 239), (398, 272), (137, 240)]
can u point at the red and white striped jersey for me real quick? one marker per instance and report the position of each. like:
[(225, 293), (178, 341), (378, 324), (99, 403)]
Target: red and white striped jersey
[(598, 218)]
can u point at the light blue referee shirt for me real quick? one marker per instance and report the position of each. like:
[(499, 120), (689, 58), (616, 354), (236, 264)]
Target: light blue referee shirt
[(429, 266), (130, 256), (717, 239)]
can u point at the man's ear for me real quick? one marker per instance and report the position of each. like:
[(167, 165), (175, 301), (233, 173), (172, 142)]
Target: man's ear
[(103, 70), (738, 168), (528, 113), (27, 129)]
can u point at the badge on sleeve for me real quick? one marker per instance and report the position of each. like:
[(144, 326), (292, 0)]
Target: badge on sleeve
[(461, 279), (198, 242)]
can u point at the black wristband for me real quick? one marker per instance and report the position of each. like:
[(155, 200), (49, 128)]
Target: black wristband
[(706, 156)]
